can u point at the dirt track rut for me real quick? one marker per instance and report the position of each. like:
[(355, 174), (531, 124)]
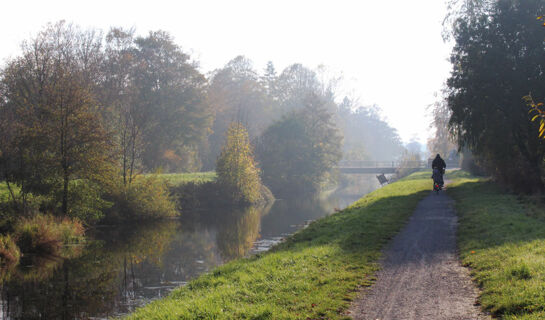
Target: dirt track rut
[(421, 276)]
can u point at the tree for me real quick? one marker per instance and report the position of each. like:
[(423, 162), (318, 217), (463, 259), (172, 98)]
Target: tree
[(366, 135), (236, 168), (442, 141), (117, 95), (298, 151), (236, 93), (497, 59), (58, 134), (172, 110)]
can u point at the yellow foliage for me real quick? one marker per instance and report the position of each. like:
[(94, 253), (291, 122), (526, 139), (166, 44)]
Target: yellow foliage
[(236, 167), (539, 113)]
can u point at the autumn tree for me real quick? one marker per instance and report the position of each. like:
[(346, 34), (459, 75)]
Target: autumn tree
[(236, 167), (58, 130), (237, 93), (442, 141)]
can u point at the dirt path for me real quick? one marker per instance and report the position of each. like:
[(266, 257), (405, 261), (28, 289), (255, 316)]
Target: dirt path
[(421, 276)]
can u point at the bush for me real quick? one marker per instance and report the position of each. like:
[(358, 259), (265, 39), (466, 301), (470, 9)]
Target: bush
[(47, 234), (9, 252), (147, 197)]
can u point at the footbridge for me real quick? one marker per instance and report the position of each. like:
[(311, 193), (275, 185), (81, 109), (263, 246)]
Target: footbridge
[(385, 167)]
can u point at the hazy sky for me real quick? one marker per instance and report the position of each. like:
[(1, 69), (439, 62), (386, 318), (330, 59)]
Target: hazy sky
[(390, 52)]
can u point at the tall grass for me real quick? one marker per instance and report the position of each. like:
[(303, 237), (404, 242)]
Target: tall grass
[(46, 233), (9, 252)]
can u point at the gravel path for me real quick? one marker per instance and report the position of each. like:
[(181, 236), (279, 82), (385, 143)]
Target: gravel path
[(421, 276)]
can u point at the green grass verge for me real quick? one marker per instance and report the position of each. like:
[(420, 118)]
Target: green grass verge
[(502, 239), (177, 179), (316, 273)]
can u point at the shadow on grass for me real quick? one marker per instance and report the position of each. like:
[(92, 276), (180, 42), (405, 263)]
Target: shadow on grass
[(502, 238)]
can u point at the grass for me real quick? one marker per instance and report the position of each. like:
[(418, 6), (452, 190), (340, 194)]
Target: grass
[(178, 179), (502, 239), (314, 274)]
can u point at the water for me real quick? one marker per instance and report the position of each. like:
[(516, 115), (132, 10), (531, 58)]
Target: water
[(123, 267)]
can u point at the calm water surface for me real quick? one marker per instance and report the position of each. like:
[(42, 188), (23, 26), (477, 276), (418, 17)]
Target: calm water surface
[(123, 267)]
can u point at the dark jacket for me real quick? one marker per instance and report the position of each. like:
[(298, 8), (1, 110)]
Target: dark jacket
[(438, 162)]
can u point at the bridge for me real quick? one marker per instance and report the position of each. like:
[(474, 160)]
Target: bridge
[(385, 167)]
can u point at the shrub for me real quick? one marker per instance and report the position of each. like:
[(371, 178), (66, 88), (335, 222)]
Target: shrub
[(147, 197), (47, 234), (9, 252)]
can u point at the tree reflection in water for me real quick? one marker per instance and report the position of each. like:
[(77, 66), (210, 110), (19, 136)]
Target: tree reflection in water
[(124, 267)]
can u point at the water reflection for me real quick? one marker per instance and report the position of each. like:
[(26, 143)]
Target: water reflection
[(124, 267)]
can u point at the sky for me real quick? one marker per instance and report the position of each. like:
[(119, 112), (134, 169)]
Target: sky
[(388, 52)]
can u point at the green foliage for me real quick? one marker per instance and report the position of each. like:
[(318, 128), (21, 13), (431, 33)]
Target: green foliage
[(174, 115), (236, 167), (47, 234), (297, 152), (502, 239), (147, 197), (86, 201), (315, 274), (496, 60)]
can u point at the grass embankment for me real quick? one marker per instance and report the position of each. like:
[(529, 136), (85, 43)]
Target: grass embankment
[(178, 179), (315, 273), (502, 238)]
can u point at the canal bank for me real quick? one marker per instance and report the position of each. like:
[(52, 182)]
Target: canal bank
[(122, 267), (315, 273)]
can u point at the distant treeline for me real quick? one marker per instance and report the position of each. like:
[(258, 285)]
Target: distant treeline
[(498, 59), (83, 114)]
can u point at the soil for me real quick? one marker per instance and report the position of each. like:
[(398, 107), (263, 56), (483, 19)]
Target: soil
[(421, 275)]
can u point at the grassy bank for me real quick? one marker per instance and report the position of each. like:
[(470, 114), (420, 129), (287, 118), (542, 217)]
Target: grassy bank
[(315, 274), (502, 238), (178, 179)]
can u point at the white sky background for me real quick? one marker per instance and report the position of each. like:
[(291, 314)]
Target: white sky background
[(390, 53)]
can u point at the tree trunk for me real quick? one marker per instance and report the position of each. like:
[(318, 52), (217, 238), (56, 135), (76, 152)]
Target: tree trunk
[(65, 193)]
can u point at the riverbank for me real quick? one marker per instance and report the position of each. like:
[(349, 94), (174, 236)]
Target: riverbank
[(29, 227), (501, 238), (315, 273)]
